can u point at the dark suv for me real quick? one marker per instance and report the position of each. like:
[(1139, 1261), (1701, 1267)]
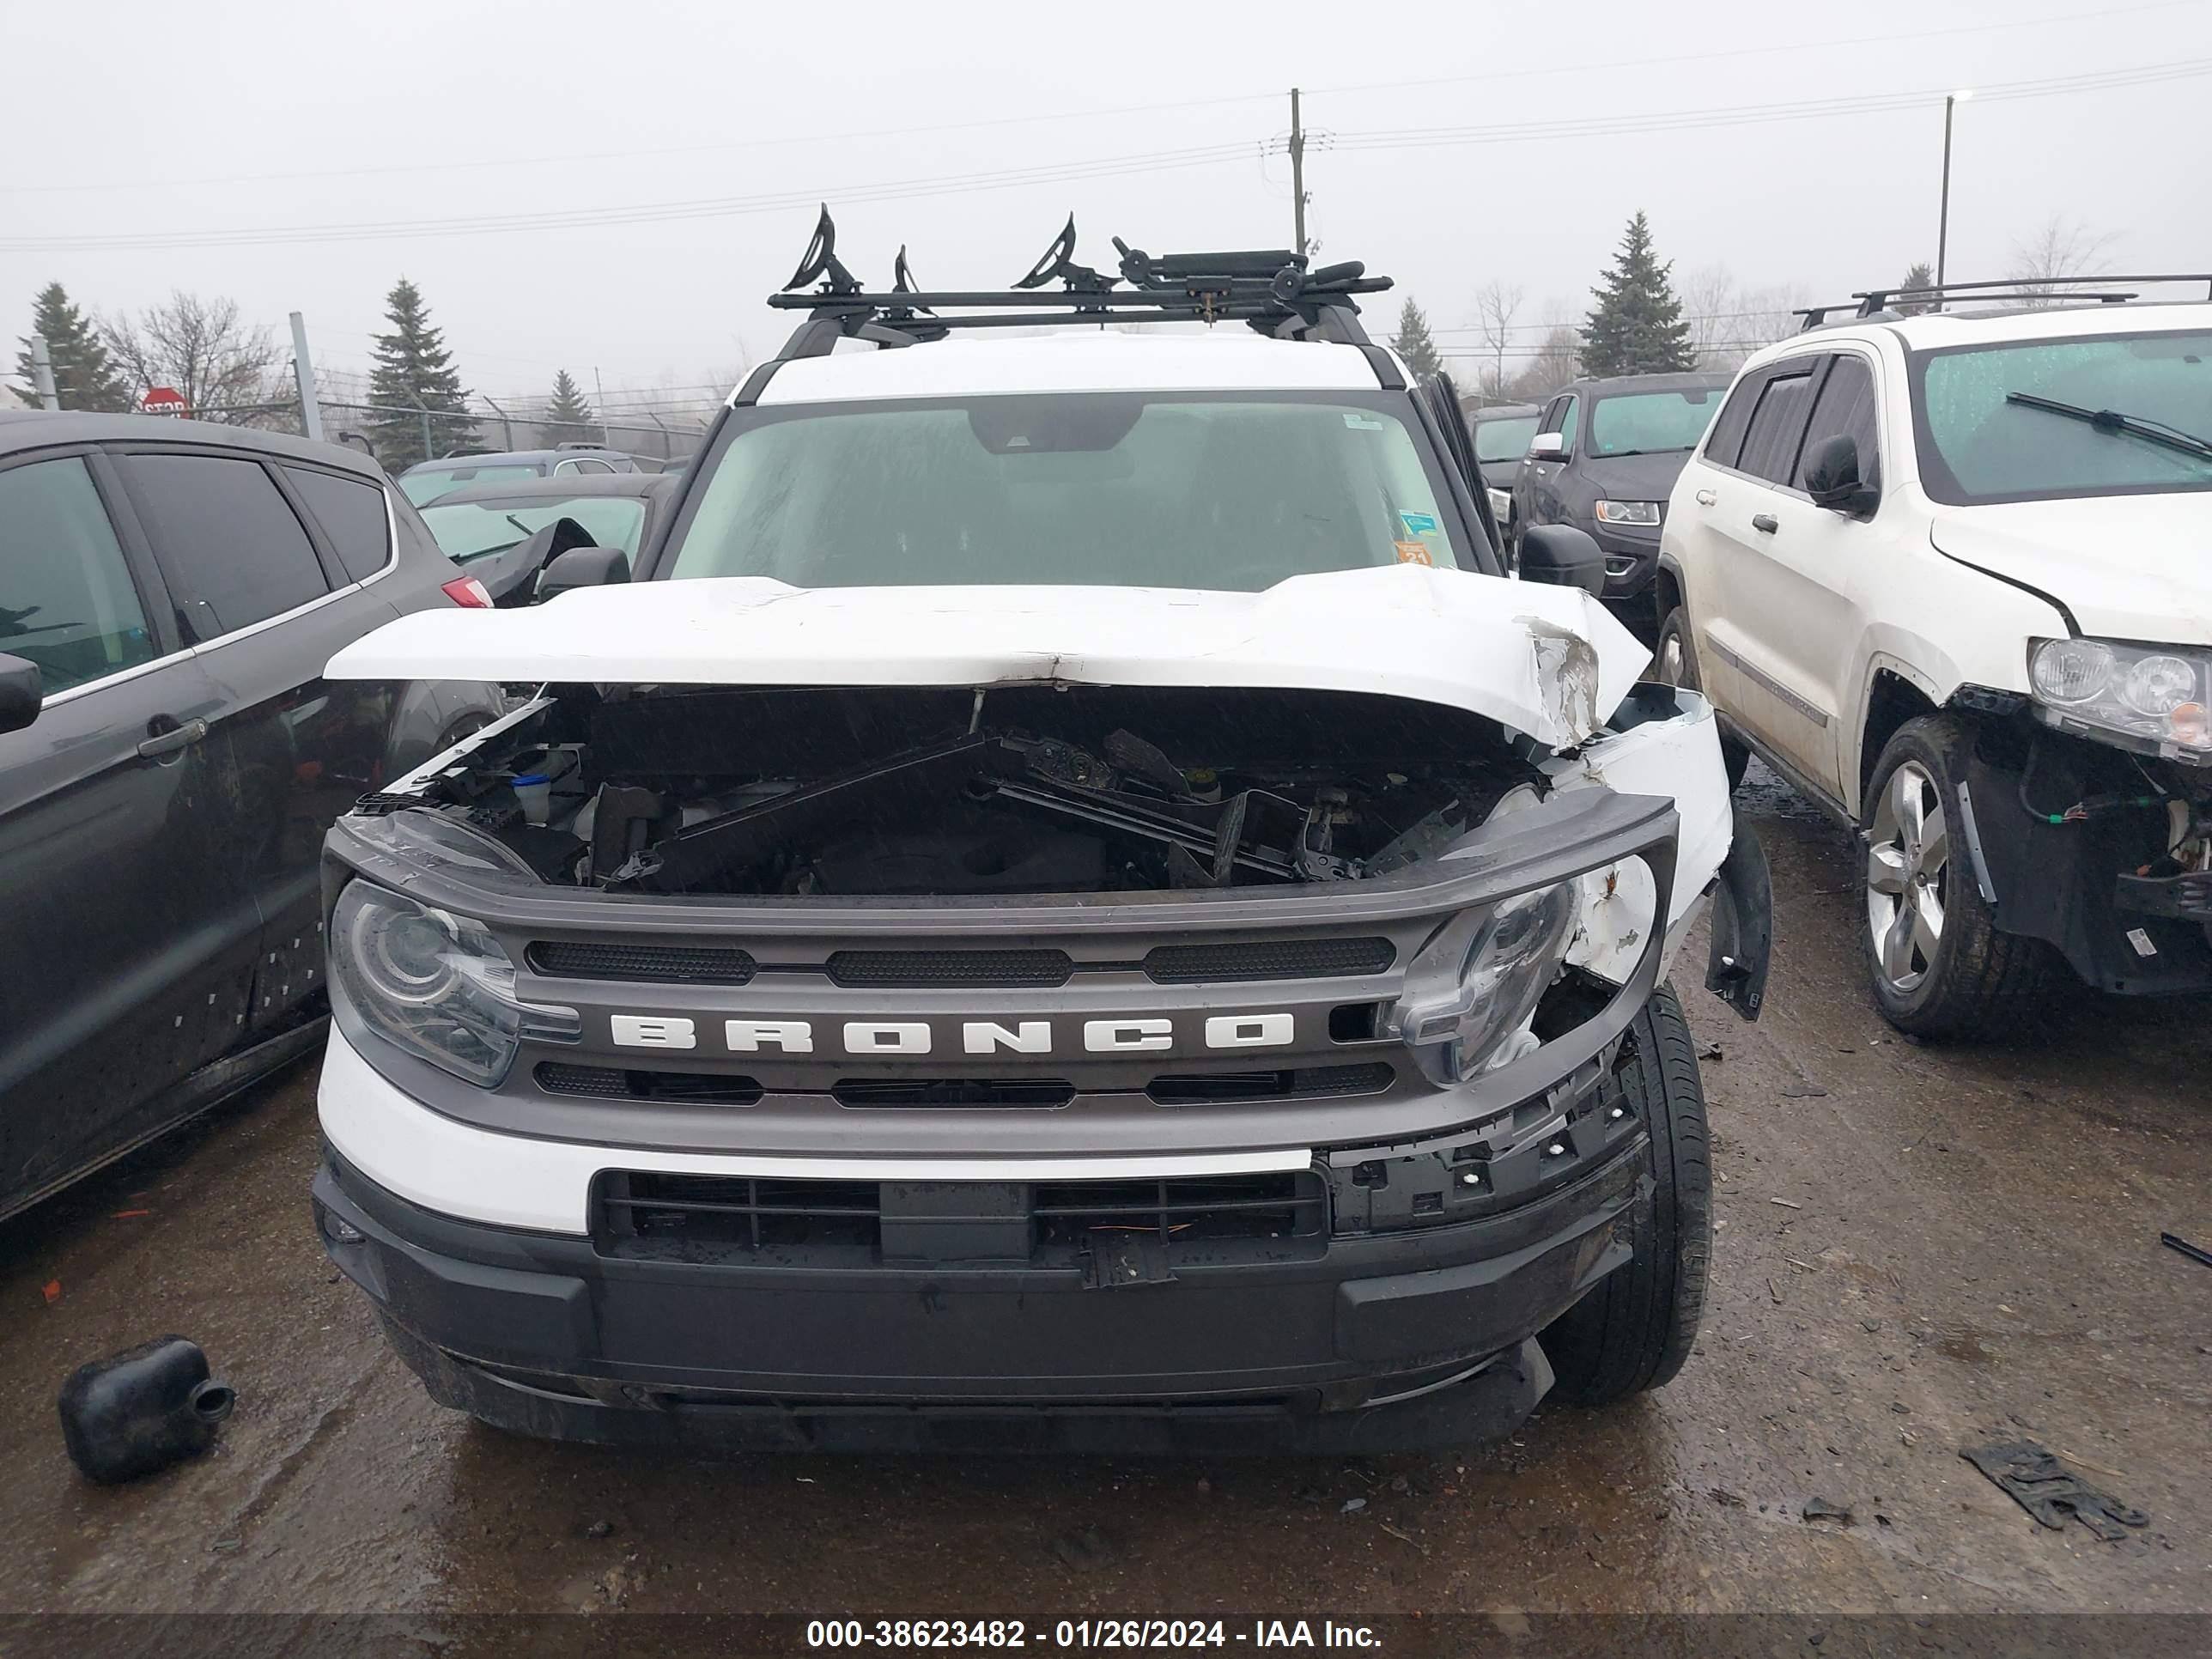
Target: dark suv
[(1606, 453), (170, 756)]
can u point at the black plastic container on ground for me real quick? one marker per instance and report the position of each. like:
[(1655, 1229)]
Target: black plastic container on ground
[(141, 1410)]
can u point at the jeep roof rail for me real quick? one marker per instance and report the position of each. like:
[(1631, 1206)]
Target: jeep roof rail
[(582, 443), (1273, 290), (1883, 303)]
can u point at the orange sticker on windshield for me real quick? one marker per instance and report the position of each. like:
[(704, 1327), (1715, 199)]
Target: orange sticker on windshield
[(1413, 553)]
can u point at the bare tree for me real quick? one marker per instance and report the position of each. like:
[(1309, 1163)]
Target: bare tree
[(1556, 361), (225, 370), (1497, 305), (1727, 322), (2062, 247)]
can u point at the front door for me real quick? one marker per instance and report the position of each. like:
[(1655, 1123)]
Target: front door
[(267, 608), (126, 939)]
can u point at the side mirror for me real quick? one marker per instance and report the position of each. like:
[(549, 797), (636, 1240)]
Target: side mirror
[(508, 577), (583, 566), (1832, 477), (20, 690), (1546, 447), (1562, 555)]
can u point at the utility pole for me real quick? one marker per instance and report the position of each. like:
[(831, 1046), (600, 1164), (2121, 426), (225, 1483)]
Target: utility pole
[(310, 411), (1298, 176), (606, 432), (1951, 99), (42, 373)]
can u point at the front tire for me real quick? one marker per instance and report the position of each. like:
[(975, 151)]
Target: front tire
[(1635, 1330), (1674, 662), (1938, 966)]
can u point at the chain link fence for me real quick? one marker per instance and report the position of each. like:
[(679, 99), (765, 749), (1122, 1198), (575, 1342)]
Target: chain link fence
[(398, 436)]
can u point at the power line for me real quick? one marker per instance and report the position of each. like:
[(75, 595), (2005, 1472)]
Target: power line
[(1048, 117), (1070, 172)]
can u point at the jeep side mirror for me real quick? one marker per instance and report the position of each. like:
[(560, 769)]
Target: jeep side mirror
[(1546, 447), (583, 566), (20, 690), (1832, 477), (1563, 556)]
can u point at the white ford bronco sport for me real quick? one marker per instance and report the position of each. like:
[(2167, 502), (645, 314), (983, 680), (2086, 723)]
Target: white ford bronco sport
[(1070, 904), (1947, 574)]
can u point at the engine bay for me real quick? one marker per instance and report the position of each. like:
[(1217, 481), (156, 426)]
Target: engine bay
[(1029, 789)]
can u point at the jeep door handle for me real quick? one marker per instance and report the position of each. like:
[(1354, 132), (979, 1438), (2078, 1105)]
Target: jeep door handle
[(1706, 498), (173, 738), (1764, 523)]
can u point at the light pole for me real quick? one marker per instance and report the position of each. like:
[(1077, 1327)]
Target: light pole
[(1951, 99)]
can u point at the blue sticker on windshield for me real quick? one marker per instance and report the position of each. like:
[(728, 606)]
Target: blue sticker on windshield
[(1421, 524), (1362, 423)]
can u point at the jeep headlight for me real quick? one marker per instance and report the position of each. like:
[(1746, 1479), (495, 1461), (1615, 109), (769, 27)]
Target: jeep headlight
[(1478, 980), (1642, 513), (434, 984), (2156, 695)]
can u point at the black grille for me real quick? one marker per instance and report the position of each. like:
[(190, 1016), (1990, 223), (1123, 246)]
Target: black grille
[(660, 1214), (953, 1091), (612, 1083), (1183, 1209), (948, 967), (834, 1224), (1203, 1088), (671, 963), (1297, 959)]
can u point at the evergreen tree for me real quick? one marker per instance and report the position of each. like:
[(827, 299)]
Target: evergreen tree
[(1414, 344), (85, 376), (1637, 326), (1918, 275), (415, 371), (567, 417)]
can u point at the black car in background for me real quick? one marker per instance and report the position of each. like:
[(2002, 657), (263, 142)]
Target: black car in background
[(1604, 457), (500, 533), (170, 756)]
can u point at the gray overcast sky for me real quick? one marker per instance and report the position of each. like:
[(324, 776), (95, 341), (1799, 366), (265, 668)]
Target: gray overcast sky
[(145, 121)]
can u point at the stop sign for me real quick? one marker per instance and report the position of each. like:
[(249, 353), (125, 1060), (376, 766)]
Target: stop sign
[(164, 400)]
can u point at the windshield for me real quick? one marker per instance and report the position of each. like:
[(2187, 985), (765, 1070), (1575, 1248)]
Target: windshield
[(1504, 439), (1651, 422), (473, 530), (1977, 447), (1114, 489), (427, 486)]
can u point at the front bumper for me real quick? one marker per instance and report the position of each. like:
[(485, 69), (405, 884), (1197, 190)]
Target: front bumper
[(1340, 1344)]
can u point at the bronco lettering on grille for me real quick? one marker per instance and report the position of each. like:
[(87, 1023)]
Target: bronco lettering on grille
[(858, 1038)]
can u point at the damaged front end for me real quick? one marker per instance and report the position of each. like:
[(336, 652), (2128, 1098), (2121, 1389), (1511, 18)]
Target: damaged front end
[(1488, 900)]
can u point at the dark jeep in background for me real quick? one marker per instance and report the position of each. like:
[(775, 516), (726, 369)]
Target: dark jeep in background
[(1605, 456)]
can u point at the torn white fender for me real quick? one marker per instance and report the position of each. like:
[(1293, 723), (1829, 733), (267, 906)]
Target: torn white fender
[(1677, 757)]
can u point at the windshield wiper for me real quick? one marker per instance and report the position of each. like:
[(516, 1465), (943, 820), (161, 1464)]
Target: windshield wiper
[(1615, 454), (2111, 420)]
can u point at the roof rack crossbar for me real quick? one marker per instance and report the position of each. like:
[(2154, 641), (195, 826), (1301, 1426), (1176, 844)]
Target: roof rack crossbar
[(1873, 303)]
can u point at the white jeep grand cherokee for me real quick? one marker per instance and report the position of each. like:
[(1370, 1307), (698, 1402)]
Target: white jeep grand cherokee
[(1948, 575)]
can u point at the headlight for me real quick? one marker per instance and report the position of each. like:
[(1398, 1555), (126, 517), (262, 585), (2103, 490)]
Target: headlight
[(1478, 980), (434, 984), (2155, 695), (1644, 513)]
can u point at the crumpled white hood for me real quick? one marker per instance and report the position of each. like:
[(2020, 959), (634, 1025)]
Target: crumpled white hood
[(1520, 652)]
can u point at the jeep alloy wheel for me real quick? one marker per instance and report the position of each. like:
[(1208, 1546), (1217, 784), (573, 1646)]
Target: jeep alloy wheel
[(1908, 845)]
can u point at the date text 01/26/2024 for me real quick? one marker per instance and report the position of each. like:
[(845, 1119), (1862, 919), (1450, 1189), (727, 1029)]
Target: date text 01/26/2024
[(1086, 1634)]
